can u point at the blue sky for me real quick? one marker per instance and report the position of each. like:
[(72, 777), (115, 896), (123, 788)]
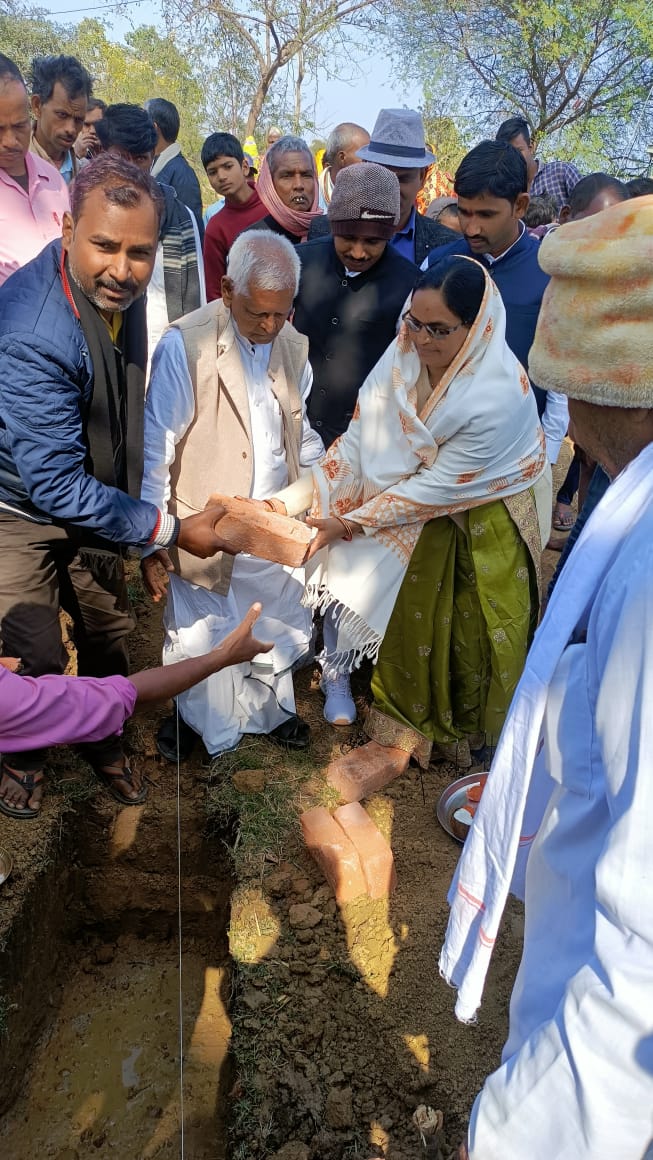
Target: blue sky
[(336, 100)]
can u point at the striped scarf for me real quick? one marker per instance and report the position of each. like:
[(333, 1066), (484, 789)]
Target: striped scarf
[(180, 257)]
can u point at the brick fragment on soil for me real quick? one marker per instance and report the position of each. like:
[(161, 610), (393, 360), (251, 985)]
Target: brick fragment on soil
[(373, 850), (339, 1111), (249, 780), (361, 772), (334, 853), (245, 527), (301, 916)]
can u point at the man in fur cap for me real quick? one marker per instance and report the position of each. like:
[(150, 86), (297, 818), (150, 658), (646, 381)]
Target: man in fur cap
[(566, 817)]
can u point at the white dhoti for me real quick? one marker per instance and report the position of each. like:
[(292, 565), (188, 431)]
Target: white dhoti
[(246, 698)]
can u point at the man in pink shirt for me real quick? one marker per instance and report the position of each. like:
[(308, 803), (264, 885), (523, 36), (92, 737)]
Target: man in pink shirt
[(33, 194)]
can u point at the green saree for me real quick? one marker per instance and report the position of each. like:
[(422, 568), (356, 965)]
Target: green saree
[(457, 639)]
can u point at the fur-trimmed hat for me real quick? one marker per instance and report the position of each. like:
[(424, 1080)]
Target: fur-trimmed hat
[(365, 202), (593, 338)]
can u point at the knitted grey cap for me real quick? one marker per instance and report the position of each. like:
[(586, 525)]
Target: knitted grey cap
[(365, 202)]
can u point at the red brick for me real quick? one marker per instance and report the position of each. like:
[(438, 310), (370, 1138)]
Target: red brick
[(246, 527), (362, 771), (372, 848), (334, 854)]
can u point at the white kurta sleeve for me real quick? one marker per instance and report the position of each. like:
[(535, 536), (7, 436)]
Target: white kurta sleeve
[(581, 1085), (169, 408), (312, 447), (555, 422)]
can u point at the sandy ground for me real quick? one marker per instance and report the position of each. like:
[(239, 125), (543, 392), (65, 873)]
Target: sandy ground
[(105, 1080)]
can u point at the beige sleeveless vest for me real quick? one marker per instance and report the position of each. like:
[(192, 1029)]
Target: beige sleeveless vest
[(215, 454)]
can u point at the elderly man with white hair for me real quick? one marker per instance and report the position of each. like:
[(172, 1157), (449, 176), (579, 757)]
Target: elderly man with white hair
[(226, 412)]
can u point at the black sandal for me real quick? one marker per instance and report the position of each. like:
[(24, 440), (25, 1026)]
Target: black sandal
[(292, 734), (28, 781), (115, 771), (175, 739)]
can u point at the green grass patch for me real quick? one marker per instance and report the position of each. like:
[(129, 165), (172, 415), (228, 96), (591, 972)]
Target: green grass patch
[(257, 825)]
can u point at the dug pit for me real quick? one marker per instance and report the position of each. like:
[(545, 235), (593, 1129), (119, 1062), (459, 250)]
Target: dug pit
[(90, 977)]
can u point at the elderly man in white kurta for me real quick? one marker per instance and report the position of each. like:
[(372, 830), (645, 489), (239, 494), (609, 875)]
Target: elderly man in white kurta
[(226, 412), (566, 818)]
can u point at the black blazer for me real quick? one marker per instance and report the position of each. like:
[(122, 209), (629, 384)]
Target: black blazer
[(349, 323)]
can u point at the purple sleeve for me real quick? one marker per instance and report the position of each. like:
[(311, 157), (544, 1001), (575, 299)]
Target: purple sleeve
[(39, 711)]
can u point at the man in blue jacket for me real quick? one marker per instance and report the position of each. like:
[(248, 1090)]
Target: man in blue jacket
[(491, 183), (72, 372)]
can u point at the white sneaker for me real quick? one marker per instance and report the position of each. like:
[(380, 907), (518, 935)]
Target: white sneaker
[(339, 707)]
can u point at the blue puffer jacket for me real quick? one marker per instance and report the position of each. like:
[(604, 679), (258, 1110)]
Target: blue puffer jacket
[(46, 383)]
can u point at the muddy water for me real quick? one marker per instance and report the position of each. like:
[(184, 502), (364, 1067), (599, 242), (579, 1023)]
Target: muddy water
[(105, 1079)]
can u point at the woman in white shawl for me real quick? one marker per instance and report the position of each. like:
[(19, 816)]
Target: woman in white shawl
[(427, 510)]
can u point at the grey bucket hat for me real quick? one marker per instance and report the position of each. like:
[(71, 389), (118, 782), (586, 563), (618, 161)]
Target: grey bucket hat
[(398, 139)]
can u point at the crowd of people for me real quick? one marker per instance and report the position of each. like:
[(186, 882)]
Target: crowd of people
[(402, 379)]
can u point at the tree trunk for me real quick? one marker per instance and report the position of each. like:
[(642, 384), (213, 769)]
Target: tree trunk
[(258, 100), (299, 80)]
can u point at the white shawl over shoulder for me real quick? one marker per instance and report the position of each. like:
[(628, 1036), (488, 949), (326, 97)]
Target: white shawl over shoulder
[(477, 439), (518, 789)]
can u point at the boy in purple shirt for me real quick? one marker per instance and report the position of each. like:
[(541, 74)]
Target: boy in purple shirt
[(59, 710)]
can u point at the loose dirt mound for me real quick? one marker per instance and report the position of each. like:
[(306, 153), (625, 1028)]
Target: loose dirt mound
[(342, 1025)]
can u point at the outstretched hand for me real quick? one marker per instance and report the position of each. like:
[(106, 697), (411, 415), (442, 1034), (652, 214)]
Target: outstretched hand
[(154, 570), (240, 645), (170, 680)]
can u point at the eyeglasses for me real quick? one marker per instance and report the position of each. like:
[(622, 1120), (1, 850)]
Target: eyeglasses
[(433, 331)]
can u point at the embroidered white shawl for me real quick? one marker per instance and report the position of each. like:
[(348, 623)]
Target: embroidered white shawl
[(477, 438), (493, 861)]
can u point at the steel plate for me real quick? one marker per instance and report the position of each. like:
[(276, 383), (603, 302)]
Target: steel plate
[(5, 865), (455, 796)]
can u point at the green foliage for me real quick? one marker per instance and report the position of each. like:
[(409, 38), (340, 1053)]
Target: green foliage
[(145, 65), (582, 74), (444, 136), (27, 32)]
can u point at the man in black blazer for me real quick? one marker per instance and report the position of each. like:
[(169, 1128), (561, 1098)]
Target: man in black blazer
[(352, 289), (398, 144)]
